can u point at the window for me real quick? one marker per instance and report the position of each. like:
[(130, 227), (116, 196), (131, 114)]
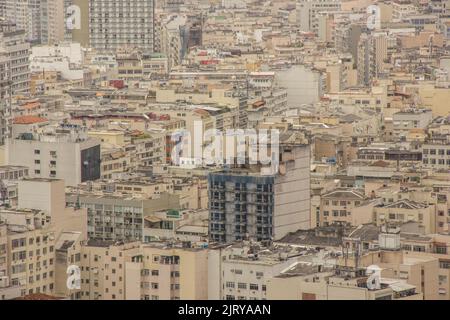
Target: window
[(253, 286), (16, 243), (419, 248), (37, 151), (230, 284), (155, 285), (242, 285), (441, 250), (155, 272), (21, 255)]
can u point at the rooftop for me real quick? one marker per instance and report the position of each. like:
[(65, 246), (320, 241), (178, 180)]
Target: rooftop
[(29, 120), (344, 194)]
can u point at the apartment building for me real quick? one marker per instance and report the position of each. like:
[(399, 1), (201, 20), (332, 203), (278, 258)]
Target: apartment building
[(63, 151), (48, 195), (247, 204), (135, 65), (405, 210), (306, 281), (241, 271), (26, 15), (118, 217), (121, 24), (173, 39), (72, 51), (3, 251), (172, 273), (131, 271), (4, 96), (67, 254), (339, 206), (308, 13), (432, 246), (129, 65), (15, 48), (147, 149), (154, 65), (402, 9), (375, 99), (436, 152), (30, 238), (114, 161), (373, 49), (31, 242), (419, 271), (7, 291), (53, 21), (409, 119), (103, 269)]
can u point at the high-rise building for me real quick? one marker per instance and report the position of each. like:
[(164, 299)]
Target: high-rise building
[(248, 204), (30, 251), (53, 14), (15, 51), (173, 40), (132, 271), (2, 8), (372, 54), (114, 24), (62, 152), (119, 218), (308, 13), (26, 15), (4, 94)]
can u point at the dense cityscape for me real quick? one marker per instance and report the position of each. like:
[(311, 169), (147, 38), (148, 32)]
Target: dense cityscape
[(225, 150)]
